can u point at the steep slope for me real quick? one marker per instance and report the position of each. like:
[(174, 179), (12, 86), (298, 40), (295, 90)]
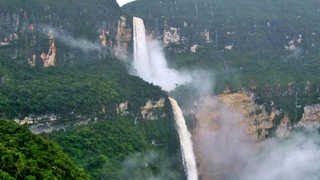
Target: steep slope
[(269, 48), (241, 41), (24, 155), (247, 25), (45, 32)]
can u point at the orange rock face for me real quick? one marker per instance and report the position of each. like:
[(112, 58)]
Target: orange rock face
[(227, 132)]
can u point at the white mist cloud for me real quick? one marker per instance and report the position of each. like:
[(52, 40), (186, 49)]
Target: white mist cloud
[(229, 153), (142, 166), (69, 40), (221, 141), (156, 69), (294, 158)]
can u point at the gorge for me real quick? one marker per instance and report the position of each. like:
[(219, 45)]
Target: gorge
[(160, 89)]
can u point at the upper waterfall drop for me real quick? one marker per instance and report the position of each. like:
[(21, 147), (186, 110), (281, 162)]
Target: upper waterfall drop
[(149, 60), (187, 153), (141, 56)]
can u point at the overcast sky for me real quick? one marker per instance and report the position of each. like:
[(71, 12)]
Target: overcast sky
[(122, 2)]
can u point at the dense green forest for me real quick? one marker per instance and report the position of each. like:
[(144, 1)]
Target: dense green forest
[(104, 147), (27, 156), (81, 18), (84, 88), (120, 149)]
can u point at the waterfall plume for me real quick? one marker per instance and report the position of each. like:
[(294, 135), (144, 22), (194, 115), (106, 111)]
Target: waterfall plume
[(150, 63)]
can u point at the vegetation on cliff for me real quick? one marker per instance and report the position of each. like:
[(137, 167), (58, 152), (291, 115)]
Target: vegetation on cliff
[(84, 88), (109, 149), (268, 47), (94, 89), (27, 156)]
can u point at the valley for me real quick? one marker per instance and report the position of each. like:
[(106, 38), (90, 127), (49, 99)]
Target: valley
[(170, 89)]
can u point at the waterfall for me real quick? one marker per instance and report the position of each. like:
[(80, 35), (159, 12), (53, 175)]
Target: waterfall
[(141, 56), (150, 63), (188, 157)]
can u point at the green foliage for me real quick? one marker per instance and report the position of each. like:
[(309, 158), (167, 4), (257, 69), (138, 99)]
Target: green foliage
[(27, 156), (101, 148), (82, 15), (85, 88)]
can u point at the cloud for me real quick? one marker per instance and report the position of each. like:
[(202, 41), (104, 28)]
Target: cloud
[(70, 41)]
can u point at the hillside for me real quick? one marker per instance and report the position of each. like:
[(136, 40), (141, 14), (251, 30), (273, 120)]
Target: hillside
[(90, 101), (46, 33), (60, 75), (24, 155)]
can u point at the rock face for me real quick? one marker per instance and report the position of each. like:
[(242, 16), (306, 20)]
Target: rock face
[(311, 117), (123, 108), (170, 36), (220, 134), (284, 128), (123, 38), (26, 30), (152, 109), (40, 124), (227, 22), (259, 123)]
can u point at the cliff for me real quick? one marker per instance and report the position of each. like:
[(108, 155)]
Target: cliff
[(311, 117), (42, 33), (228, 24)]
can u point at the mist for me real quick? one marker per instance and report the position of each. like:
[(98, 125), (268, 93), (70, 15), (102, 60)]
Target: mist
[(150, 165), (69, 40), (223, 147), (226, 151), (157, 70), (150, 63), (294, 158)]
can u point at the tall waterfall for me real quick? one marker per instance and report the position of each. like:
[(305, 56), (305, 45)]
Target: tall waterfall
[(150, 63), (141, 56), (188, 157)]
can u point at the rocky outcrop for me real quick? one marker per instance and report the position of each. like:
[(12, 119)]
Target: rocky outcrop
[(257, 121), (311, 117), (24, 30), (152, 110), (49, 59), (284, 128), (123, 38), (41, 123), (170, 36), (123, 108)]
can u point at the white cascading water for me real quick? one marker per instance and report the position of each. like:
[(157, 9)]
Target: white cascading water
[(141, 61), (187, 153), (151, 65)]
